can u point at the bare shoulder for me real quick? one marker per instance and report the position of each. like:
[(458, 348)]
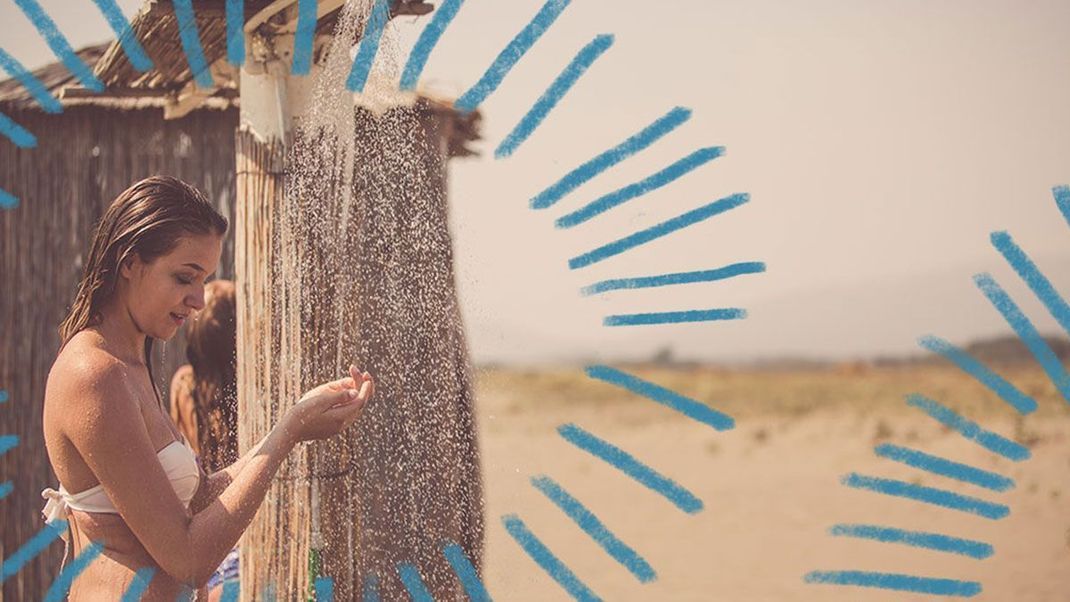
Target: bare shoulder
[(86, 379)]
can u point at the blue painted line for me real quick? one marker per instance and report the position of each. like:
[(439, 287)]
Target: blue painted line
[(675, 317), (546, 559), (1062, 200), (410, 578), (29, 550), (607, 159), (17, 133), (125, 33), (928, 495), (231, 590), (191, 43), (59, 45), (62, 585), (429, 37), (731, 271), (553, 95), (3, 392), (691, 408), (268, 593), (186, 595), (944, 467), (324, 587), (40, 93), (139, 585), (303, 39), (654, 232), (629, 465), (662, 178), (897, 582), (968, 429), (466, 573), (592, 526), (370, 590), (918, 539), (968, 364), (1026, 332), (235, 11), (8, 443), (510, 55), (369, 46), (1031, 274), (6, 488)]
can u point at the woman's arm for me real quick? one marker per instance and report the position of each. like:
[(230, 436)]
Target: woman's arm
[(111, 437)]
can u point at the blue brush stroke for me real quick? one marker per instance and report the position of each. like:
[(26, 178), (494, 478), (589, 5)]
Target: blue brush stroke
[(3, 392), (897, 582), (268, 593), (1037, 281), (59, 45), (918, 539), (553, 95), (370, 589), (186, 595), (324, 587), (629, 465), (635, 143), (6, 488), (29, 550), (637, 189), (685, 405), (970, 430), (231, 590), (510, 55), (410, 578), (191, 43), (928, 495), (40, 93), (466, 573), (593, 527), (444, 14), (129, 42), (1062, 200), (236, 32), (139, 584), (944, 467), (663, 229), (303, 39), (369, 46), (17, 133), (968, 364), (546, 559), (1026, 332), (8, 443), (62, 585), (736, 269), (675, 317)]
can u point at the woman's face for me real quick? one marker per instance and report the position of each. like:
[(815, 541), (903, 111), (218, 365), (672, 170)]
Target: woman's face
[(161, 294)]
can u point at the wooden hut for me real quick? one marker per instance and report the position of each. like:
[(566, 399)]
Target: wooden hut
[(161, 122)]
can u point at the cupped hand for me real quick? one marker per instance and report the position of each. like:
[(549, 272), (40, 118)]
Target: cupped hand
[(330, 408)]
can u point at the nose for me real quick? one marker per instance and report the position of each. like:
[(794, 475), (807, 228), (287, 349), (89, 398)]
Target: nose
[(196, 300)]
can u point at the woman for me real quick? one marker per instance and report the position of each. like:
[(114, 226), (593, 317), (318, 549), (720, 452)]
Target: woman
[(204, 397), (140, 491)]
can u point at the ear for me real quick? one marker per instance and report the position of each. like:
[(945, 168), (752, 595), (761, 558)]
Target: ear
[(126, 268)]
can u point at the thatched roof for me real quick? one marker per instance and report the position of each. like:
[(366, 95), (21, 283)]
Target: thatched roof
[(157, 29)]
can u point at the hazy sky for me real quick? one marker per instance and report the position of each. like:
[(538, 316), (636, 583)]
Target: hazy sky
[(880, 141)]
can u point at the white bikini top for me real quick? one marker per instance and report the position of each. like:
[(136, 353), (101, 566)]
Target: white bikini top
[(178, 461)]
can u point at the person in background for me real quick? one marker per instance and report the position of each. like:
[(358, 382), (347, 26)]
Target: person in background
[(204, 396)]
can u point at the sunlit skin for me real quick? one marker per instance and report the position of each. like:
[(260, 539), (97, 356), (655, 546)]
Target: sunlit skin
[(103, 424)]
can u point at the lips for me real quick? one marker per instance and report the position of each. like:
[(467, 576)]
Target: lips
[(178, 318)]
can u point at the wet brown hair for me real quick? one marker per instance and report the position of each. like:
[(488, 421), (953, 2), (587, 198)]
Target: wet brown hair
[(211, 345), (148, 218)]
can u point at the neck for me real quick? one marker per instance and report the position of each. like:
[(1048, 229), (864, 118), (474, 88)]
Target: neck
[(122, 334)]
